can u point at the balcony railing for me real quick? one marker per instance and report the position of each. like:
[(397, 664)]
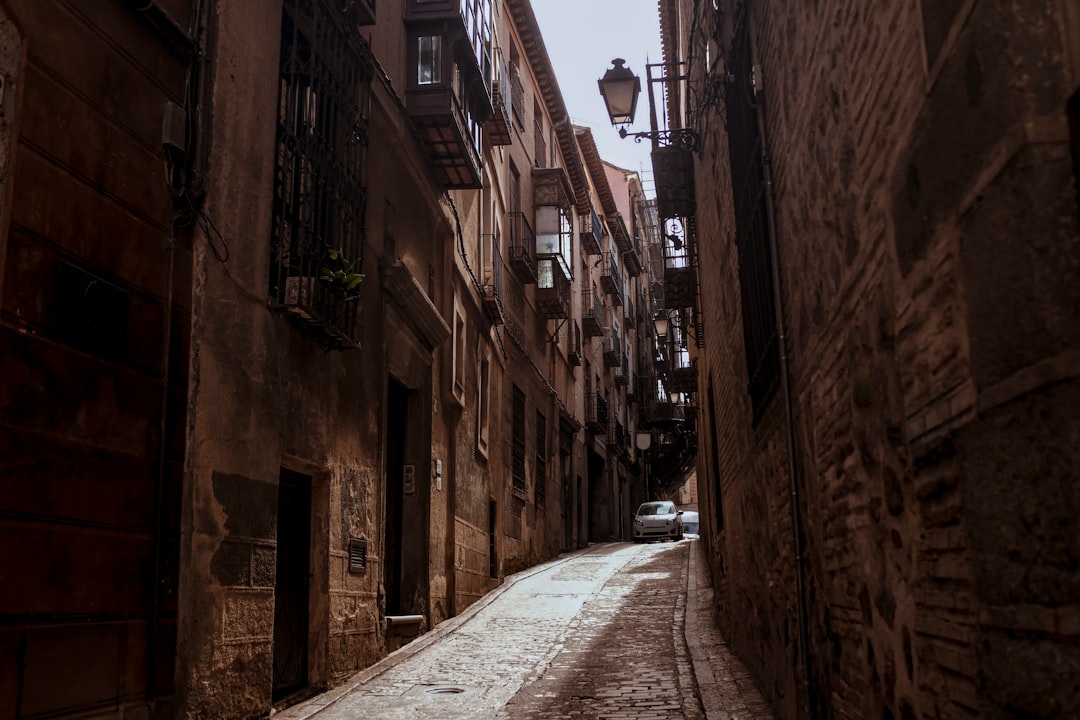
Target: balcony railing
[(622, 374), (617, 438), (632, 258), (629, 314), (522, 247), (592, 315), (517, 95), (611, 278), (552, 287), (596, 413), (574, 353), (592, 232), (617, 226), (498, 126), (613, 349), (493, 284)]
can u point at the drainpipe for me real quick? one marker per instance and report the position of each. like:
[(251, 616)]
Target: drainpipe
[(789, 411)]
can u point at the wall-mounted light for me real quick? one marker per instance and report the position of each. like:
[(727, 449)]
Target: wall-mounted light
[(662, 323), (620, 88)]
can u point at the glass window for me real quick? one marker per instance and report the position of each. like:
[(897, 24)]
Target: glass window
[(429, 64)]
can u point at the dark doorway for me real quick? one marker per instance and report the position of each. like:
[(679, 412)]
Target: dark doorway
[(600, 528), (292, 586), (397, 421)]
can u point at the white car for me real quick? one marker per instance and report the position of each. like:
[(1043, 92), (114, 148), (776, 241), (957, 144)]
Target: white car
[(658, 521), (690, 522)]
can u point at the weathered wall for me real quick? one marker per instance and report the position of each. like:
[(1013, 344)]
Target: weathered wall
[(929, 242), (267, 397)]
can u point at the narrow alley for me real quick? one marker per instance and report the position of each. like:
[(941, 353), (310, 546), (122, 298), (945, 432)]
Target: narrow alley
[(612, 631)]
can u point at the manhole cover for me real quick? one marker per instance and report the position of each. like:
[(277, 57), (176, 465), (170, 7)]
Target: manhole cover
[(434, 689)]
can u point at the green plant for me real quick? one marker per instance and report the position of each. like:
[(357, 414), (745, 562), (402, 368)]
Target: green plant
[(337, 274)]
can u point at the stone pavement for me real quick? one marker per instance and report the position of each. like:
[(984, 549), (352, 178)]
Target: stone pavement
[(615, 631)]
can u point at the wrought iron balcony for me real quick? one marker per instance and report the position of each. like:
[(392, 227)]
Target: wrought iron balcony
[(574, 353), (611, 278), (466, 28), (673, 172), (617, 226), (617, 444), (442, 121), (517, 96), (522, 247), (613, 350), (493, 284), (592, 232), (632, 259), (622, 374), (629, 314), (498, 126), (596, 413), (553, 287), (592, 315), (680, 286)]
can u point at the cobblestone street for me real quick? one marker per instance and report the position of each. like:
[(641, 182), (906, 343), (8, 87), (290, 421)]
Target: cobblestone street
[(616, 631)]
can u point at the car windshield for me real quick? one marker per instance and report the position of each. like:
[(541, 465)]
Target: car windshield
[(656, 509)]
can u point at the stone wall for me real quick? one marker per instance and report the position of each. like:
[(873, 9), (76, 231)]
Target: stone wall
[(929, 243)]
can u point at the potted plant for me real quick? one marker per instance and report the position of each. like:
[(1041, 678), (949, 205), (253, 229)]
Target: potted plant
[(338, 273)]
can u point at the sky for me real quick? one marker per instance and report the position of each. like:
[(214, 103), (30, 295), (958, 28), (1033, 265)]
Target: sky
[(582, 37)]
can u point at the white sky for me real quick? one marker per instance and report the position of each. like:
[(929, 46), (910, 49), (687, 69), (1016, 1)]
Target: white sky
[(582, 37)]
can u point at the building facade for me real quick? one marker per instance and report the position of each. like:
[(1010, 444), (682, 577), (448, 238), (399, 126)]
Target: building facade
[(889, 238), (306, 329)]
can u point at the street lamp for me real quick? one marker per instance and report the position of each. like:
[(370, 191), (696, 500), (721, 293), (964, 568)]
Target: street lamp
[(620, 88), (662, 323)]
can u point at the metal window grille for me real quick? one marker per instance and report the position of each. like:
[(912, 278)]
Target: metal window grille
[(751, 228), (319, 184), (540, 491), (517, 447)]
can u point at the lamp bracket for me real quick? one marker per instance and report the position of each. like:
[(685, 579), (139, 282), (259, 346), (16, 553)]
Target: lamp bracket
[(685, 138)]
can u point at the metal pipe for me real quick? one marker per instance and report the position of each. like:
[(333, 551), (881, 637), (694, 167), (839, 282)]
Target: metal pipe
[(789, 413)]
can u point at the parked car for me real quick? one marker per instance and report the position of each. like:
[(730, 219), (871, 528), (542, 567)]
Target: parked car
[(658, 521), (690, 523)]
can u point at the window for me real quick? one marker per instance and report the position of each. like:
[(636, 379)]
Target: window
[(540, 153), (540, 489), (319, 187), (751, 230), (458, 361), (429, 62), (483, 404), (554, 235), (517, 445)]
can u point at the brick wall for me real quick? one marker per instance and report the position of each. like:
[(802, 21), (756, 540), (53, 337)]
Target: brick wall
[(927, 231)]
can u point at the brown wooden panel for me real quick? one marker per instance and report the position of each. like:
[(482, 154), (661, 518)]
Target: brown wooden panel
[(129, 75), (43, 476), (11, 641), (52, 296), (88, 658), (48, 388), (51, 203), (51, 570), (79, 137)]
